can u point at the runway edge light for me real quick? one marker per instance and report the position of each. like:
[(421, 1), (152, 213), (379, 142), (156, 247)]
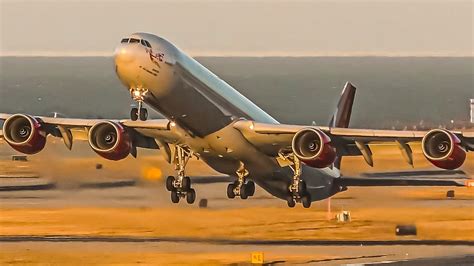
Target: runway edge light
[(470, 183)]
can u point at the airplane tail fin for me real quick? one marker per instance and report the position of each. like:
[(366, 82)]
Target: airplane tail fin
[(342, 115)]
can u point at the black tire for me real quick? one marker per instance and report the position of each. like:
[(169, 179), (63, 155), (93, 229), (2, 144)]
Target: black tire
[(302, 188), (134, 114), (244, 192), (306, 201), (143, 114), (191, 196), (169, 183), (291, 202), (250, 188), (174, 196), (186, 184), (230, 191)]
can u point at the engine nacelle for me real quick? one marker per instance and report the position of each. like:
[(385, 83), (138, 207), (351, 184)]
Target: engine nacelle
[(313, 147), (24, 133), (443, 149), (110, 140)]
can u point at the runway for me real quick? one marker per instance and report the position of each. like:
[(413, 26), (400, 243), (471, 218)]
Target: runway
[(220, 241), (138, 224), (165, 253), (122, 214)]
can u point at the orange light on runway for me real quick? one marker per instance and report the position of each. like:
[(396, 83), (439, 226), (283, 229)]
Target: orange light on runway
[(470, 183), (152, 173)]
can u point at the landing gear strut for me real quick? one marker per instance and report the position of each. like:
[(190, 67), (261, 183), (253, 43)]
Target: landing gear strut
[(241, 187), (180, 186), (297, 188), (138, 95)]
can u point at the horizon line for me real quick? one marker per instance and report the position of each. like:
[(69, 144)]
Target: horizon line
[(243, 54)]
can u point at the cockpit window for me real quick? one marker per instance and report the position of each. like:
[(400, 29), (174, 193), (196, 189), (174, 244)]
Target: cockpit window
[(132, 40), (143, 42), (147, 44), (124, 40)]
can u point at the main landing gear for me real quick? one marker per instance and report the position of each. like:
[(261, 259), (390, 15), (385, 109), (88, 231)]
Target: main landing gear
[(180, 186), (138, 95), (297, 188), (241, 187)]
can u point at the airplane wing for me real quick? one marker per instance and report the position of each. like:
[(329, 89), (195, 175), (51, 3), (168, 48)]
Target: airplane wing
[(275, 138), (151, 134)]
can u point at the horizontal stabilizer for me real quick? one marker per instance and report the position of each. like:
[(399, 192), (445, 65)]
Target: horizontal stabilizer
[(408, 178), (420, 173), (383, 182)]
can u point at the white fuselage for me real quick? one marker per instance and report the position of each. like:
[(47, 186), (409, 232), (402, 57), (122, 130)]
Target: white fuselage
[(203, 107)]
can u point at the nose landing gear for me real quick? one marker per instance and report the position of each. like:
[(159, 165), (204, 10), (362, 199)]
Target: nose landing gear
[(180, 186), (138, 95)]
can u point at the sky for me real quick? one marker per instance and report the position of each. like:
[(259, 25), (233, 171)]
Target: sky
[(242, 28)]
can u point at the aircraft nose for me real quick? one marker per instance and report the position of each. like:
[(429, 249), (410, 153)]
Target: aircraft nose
[(124, 53)]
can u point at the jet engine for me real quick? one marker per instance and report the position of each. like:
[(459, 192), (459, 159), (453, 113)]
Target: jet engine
[(313, 147), (110, 140), (24, 133), (443, 149)]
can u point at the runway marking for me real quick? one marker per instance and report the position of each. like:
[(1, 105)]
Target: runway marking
[(449, 260), (132, 239), (349, 258)]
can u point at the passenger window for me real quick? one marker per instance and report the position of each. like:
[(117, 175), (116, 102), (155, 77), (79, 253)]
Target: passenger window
[(132, 40), (148, 44), (124, 40)]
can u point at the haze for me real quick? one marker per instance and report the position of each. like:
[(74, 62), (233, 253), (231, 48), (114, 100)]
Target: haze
[(251, 28)]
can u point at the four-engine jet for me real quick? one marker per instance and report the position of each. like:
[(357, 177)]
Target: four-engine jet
[(208, 119)]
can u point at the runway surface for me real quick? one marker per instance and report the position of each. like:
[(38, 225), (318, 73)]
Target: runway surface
[(122, 214), (213, 254), (220, 241), (138, 224)]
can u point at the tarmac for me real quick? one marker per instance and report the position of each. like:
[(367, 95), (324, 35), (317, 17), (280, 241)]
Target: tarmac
[(122, 214)]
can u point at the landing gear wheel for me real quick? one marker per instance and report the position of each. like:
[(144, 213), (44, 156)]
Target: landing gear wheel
[(191, 196), (134, 114), (169, 183), (250, 188), (230, 191), (244, 192), (174, 196), (291, 202), (143, 114), (306, 201), (302, 188), (186, 183)]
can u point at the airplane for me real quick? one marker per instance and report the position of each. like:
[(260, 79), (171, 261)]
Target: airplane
[(207, 118)]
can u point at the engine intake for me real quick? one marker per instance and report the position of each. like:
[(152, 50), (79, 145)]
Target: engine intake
[(313, 147), (443, 149), (24, 133), (110, 140)]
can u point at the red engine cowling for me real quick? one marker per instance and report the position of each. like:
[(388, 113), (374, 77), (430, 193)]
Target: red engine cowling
[(313, 147), (110, 140), (443, 149), (24, 133)]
